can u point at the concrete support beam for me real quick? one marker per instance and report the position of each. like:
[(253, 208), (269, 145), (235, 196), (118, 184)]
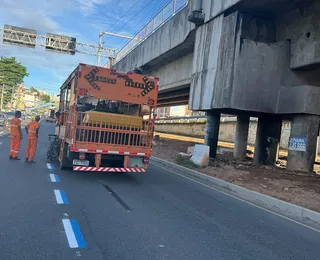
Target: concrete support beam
[(303, 143), (241, 138), (267, 140), (212, 132)]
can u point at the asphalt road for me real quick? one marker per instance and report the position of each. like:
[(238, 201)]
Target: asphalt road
[(143, 216)]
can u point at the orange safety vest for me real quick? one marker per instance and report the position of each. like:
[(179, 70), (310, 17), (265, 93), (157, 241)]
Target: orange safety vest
[(14, 124), (32, 129)]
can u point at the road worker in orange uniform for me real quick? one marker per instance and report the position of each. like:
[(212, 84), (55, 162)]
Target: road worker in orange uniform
[(15, 136), (32, 130)]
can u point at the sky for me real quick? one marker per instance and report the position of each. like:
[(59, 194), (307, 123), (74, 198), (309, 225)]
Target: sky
[(83, 19)]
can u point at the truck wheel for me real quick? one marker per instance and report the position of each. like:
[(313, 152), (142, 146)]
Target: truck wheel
[(65, 163), (53, 149)]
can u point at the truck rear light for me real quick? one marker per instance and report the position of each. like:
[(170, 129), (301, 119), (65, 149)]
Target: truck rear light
[(146, 160), (82, 156), (83, 92), (150, 101)]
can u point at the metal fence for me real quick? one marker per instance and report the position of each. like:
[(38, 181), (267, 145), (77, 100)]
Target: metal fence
[(197, 119), (118, 131), (157, 21)]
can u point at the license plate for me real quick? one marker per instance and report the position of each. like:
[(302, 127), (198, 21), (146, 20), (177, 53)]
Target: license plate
[(81, 162)]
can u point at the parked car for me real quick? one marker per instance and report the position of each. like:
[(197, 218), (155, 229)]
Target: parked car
[(3, 119)]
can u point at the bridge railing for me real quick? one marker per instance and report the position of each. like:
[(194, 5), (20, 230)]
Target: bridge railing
[(157, 21)]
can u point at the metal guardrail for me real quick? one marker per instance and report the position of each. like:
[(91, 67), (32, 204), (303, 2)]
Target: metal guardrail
[(197, 119), (156, 22), (181, 118)]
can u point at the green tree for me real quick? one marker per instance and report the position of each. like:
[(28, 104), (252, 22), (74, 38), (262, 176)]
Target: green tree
[(12, 73), (45, 98), (34, 90)]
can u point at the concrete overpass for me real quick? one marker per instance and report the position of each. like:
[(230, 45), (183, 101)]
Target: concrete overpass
[(247, 58)]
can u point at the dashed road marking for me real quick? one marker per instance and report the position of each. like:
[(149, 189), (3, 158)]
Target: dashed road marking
[(70, 234), (50, 166), (61, 197), (54, 178), (1, 143), (73, 233)]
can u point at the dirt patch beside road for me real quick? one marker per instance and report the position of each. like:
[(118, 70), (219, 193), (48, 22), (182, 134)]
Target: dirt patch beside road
[(299, 189)]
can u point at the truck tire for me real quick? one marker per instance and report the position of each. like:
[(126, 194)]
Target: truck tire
[(53, 149), (65, 162)]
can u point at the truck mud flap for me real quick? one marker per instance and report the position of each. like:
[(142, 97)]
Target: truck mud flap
[(107, 169)]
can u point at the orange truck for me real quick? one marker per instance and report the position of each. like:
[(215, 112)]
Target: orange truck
[(106, 120)]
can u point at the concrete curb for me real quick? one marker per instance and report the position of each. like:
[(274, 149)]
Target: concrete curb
[(294, 212)]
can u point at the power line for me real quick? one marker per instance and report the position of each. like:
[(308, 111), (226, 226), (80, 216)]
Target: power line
[(135, 15), (139, 12), (141, 20), (124, 14), (125, 40)]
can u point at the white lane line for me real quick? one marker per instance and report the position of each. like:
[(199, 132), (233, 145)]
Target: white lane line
[(58, 197), (210, 187), (61, 197), (50, 166), (70, 234), (1, 143), (54, 178)]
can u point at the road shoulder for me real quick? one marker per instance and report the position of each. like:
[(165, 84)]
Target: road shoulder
[(293, 212)]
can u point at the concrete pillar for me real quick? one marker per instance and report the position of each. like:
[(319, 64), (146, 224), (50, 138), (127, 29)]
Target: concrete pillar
[(267, 140), (303, 143), (241, 140), (212, 132)]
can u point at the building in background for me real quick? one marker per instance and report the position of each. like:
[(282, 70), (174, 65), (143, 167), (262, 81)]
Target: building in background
[(162, 112), (175, 111), (23, 98), (31, 98), (18, 99), (54, 98)]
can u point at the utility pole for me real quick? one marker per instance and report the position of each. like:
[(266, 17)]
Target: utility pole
[(99, 48), (12, 96), (100, 44), (2, 92)]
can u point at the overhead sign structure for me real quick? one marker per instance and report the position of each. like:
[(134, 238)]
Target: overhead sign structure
[(60, 43), (52, 42), (19, 36)]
